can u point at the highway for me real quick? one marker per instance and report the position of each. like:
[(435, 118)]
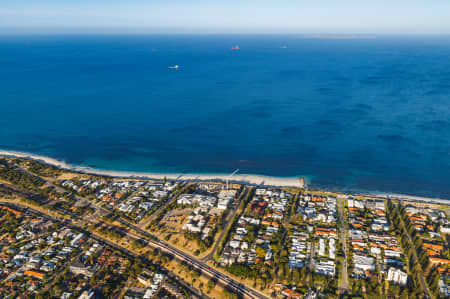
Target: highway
[(225, 280), (153, 241)]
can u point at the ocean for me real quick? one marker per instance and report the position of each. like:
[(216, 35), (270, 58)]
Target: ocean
[(349, 114)]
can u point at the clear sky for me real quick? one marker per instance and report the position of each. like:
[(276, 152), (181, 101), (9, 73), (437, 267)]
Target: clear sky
[(227, 16)]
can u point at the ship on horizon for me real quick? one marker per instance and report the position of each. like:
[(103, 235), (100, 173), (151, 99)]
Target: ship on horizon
[(235, 48), (175, 67), (283, 47)]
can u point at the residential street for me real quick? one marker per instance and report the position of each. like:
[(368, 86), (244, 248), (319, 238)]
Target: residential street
[(344, 286)]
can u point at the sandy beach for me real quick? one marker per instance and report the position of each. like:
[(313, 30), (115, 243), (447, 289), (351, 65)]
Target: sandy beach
[(241, 178), (246, 178)]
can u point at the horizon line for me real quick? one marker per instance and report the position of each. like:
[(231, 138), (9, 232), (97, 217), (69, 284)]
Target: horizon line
[(318, 35), (106, 30)]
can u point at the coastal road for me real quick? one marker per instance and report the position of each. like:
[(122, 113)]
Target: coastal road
[(227, 225)]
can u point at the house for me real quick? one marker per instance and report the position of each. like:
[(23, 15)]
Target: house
[(145, 278), (241, 231), (234, 244), (437, 261), (65, 295), (434, 247), (375, 250), (76, 240), (391, 253), (35, 274), (325, 267), (146, 205), (48, 267), (364, 263), (78, 268), (287, 292)]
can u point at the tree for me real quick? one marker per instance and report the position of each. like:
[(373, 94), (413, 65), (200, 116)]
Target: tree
[(303, 273), (404, 294), (210, 285), (229, 295), (239, 270), (260, 252)]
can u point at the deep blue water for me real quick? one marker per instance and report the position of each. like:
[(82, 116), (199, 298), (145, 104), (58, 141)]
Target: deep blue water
[(365, 114)]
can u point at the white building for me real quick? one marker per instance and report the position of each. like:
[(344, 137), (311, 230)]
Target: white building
[(203, 201), (445, 230), (146, 205), (160, 194), (321, 247), (332, 249), (397, 276), (353, 203), (76, 240), (375, 250), (364, 262), (125, 208), (325, 267), (391, 253)]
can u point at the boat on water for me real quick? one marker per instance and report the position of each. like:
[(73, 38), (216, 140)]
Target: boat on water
[(283, 47), (235, 48), (175, 67)]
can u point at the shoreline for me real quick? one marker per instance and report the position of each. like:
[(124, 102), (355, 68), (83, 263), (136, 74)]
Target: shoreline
[(249, 179), (245, 178)]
